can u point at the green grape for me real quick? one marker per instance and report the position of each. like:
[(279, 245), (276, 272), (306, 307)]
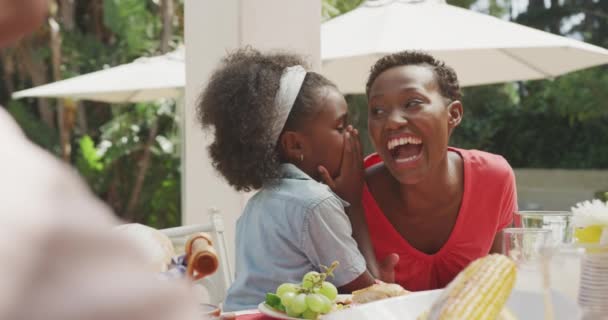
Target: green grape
[(316, 302), (329, 290), (286, 287), (309, 314), (310, 279), (291, 313), (327, 304), (298, 304), (288, 298)]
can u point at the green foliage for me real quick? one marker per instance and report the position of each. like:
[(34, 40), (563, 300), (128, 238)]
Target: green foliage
[(462, 3), (357, 113), (557, 124), (90, 56), (107, 142), (111, 163), (33, 127), (582, 96), (89, 156), (601, 195), (135, 27), (498, 8), (332, 8)]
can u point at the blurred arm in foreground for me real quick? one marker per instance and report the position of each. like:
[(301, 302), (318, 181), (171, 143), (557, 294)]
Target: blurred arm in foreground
[(59, 259), (20, 17)]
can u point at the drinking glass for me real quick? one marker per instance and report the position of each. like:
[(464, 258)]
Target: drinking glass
[(565, 262), (525, 245), (574, 278), (559, 222)]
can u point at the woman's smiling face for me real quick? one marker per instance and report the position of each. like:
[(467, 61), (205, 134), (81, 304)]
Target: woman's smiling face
[(410, 121)]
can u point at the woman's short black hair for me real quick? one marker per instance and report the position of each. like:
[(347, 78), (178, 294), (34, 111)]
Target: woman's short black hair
[(238, 105), (445, 75)]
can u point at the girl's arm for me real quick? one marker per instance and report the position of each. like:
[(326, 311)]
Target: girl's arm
[(328, 239), (363, 281), (349, 186), (356, 215), (383, 270)]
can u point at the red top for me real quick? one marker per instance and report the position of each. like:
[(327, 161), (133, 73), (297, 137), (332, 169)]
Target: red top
[(488, 202)]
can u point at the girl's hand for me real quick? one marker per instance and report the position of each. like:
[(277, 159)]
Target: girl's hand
[(349, 182)]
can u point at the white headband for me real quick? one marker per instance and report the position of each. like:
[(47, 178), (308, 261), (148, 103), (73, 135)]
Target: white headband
[(289, 87)]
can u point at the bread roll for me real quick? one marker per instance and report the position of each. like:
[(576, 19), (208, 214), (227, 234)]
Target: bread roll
[(378, 291)]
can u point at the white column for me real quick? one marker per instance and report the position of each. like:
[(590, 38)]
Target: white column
[(212, 28)]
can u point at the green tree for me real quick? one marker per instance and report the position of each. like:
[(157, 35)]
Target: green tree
[(129, 154)]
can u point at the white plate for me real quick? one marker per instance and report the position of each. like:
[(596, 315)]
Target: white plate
[(272, 313), (265, 309), (525, 306)]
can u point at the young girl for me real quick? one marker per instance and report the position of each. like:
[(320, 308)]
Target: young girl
[(279, 128)]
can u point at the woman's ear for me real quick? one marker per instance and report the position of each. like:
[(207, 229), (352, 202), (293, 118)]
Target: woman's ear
[(455, 111), (291, 146)]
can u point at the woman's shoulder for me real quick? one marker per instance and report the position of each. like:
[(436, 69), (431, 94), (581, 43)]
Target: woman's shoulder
[(484, 162)]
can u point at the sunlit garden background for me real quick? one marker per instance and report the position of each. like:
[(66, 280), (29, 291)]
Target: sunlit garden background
[(130, 154)]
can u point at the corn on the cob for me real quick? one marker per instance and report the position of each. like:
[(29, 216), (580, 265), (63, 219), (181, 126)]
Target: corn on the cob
[(479, 292), (505, 314)]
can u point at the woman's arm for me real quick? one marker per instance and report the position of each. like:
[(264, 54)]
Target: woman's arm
[(356, 215), (497, 244), (508, 207)]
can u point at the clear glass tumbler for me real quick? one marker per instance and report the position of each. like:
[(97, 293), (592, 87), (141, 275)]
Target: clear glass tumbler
[(559, 222)]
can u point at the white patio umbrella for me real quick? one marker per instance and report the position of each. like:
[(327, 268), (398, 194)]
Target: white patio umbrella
[(145, 79), (481, 48)]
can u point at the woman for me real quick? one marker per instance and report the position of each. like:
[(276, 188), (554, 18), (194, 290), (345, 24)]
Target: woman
[(437, 207)]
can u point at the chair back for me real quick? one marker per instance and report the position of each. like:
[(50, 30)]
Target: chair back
[(213, 288)]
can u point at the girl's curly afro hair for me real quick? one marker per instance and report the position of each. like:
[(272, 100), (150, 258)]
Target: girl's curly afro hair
[(238, 105)]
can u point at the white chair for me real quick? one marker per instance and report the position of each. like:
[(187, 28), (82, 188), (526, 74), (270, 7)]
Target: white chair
[(217, 284)]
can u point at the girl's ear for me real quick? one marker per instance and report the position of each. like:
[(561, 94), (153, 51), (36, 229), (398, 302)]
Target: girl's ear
[(292, 146), (455, 111)]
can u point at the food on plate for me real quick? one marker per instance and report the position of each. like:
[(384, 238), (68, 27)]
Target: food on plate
[(480, 291), (306, 300), (506, 314), (344, 300), (378, 291)]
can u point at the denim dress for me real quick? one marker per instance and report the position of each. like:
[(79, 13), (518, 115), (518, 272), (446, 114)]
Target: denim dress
[(287, 229)]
